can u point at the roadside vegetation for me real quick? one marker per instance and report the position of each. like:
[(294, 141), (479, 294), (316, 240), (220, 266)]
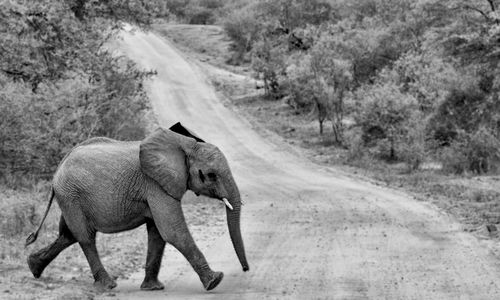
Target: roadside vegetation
[(397, 80), (60, 85), (406, 92)]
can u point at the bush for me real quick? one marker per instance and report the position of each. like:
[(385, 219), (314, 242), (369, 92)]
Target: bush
[(178, 8), (409, 146), (20, 211), (412, 147), (465, 109), (36, 130), (322, 79), (425, 76), (460, 111), (268, 64), (483, 151), (243, 28), (201, 16), (292, 14), (454, 157), (384, 115), (59, 85), (355, 145), (477, 153), (299, 77)]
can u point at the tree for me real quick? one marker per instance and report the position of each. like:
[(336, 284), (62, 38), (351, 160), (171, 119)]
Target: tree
[(268, 61), (333, 78), (289, 15), (243, 28), (321, 79), (139, 12), (384, 115)]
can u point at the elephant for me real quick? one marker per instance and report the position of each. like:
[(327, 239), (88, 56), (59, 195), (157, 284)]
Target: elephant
[(105, 185)]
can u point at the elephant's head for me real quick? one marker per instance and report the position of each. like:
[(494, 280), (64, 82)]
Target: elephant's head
[(183, 161)]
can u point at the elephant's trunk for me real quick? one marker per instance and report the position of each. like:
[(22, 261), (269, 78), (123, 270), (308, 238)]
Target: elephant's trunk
[(233, 223)]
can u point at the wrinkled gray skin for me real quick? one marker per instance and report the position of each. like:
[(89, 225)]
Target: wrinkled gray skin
[(109, 186)]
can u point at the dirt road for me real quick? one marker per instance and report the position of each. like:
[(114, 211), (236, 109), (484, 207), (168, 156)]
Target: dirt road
[(310, 232)]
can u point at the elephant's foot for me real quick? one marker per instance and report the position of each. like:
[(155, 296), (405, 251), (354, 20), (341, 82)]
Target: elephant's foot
[(36, 265), (213, 280), (152, 285), (104, 282), (105, 285)]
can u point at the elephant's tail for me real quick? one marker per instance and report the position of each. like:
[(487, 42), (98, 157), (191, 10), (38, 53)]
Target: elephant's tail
[(33, 236)]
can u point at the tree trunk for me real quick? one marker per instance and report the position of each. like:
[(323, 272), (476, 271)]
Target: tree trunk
[(336, 133), (392, 156), (266, 86)]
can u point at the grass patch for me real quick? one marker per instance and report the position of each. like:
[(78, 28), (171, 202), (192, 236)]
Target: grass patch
[(20, 213)]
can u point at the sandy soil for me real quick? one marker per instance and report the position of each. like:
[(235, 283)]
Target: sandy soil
[(310, 231)]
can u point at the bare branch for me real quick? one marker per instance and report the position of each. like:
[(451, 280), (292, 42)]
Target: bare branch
[(493, 9), (485, 15), (492, 5)]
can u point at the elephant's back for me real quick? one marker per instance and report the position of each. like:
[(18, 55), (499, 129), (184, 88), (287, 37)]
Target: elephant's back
[(101, 155), (98, 164)]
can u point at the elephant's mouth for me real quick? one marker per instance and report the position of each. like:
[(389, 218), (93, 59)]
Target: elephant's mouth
[(223, 199)]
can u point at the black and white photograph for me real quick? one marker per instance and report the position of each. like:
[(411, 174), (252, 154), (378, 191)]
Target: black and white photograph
[(249, 149)]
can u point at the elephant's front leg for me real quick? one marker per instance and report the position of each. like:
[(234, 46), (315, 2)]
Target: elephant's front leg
[(156, 246), (169, 218), (188, 248)]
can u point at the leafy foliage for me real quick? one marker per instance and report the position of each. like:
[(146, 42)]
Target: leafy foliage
[(423, 74), (267, 61), (243, 29), (59, 84), (201, 12), (323, 79), (384, 115), (477, 152)]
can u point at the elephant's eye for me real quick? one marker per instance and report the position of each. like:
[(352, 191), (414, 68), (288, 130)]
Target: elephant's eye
[(212, 176)]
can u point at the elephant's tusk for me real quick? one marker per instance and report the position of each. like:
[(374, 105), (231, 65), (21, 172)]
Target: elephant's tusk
[(227, 203)]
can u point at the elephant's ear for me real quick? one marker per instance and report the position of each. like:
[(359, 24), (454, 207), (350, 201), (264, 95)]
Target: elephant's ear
[(163, 158), (180, 129)]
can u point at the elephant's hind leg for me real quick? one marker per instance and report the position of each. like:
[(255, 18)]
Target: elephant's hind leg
[(39, 260), (85, 235), (156, 246)]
